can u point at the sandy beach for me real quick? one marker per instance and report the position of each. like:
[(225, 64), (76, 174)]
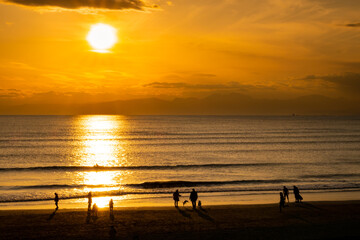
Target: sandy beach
[(309, 220)]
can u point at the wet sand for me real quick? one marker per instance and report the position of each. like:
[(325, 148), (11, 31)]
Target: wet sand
[(309, 220)]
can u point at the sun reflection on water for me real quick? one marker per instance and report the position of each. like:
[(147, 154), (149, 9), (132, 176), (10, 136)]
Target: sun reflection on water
[(101, 144)]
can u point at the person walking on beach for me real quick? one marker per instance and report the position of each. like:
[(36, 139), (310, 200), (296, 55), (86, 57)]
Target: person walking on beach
[(56, 199), (282, 201), (286, 193), (193, 198), (176, 198), (89, 201), (298, 197), (111, 207)]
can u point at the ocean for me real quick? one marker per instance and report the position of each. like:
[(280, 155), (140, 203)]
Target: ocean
[(142, 160)]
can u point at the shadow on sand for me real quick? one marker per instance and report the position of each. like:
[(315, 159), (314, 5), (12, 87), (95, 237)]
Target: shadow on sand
[(185, 214), (88, 217), (309, 205), (298, 217), (204, 215), (202, 209), (52, 215), (112, 216)]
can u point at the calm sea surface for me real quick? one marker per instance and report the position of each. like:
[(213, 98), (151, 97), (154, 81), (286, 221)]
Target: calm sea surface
[(142, 159)]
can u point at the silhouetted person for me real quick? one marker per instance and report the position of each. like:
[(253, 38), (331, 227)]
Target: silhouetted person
[(89, 201), (95, 211), (112, 232), (282, 201), (193, 198), (56, 199), (286, 193), (111, 207), (200, 206), (176, 198), (298, 197)]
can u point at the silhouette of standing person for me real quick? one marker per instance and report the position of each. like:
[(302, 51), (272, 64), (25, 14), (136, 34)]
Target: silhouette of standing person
[(89, 201), (95, 211), (56, 199), (298, 197), (286, 193), (176, 198), (282, 201), (193, 198), (111, 207)]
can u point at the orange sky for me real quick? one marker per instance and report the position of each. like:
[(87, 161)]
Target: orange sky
[(183, 48)]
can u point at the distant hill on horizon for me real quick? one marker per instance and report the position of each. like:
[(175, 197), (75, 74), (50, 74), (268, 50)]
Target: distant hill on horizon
[(216, 104)]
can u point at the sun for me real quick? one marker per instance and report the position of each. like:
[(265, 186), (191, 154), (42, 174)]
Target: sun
[(102, 37)]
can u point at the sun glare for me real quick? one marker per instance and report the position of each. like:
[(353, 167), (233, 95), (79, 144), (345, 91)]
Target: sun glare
[(102, 37)]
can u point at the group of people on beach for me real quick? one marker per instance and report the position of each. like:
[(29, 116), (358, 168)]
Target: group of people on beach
[(285, 195), (193, 198), (93, 209), (92, 212)]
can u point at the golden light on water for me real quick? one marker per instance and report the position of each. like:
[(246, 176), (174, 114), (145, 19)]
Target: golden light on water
[(108, 179), (99, 179), (101, 145)]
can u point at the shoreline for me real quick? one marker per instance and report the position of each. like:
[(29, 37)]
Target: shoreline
[(307, 220), (166, 200), (167, 207), (4, 212)]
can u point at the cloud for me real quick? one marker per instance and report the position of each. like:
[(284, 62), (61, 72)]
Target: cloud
[(339, 4), (183, 85), (204, 75), (210, 87), (10, 93), (347, 82), (353, 25), (96, 4)]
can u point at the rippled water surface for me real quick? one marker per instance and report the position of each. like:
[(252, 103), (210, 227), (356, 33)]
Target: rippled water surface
[(145, 158)]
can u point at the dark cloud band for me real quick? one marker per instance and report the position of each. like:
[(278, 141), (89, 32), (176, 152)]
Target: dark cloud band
[(353, 25), (76, 4), (348, 82)]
